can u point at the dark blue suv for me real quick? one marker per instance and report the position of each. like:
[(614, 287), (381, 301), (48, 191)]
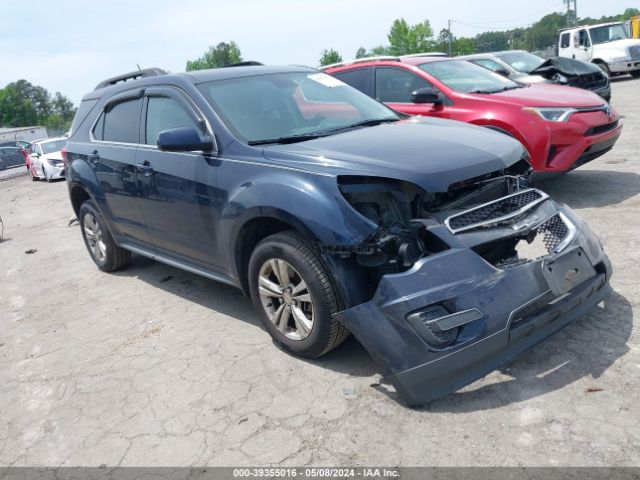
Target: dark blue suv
[(335, 214)]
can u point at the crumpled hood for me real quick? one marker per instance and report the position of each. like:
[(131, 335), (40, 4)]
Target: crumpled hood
[(565, 66), (428, 152)]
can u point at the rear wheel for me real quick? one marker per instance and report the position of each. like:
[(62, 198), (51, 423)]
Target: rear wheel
[(99, 242), (295, 296), (635, 73)]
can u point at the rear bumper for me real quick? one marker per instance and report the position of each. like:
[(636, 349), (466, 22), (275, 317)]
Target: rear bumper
[(517, 307)]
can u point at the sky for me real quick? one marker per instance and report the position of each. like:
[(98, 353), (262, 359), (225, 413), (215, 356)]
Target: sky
[(71, 45)]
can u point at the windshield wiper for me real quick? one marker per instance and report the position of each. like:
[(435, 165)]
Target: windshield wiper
[(311, 136), (289, 139), (365, 123), (503, 89)]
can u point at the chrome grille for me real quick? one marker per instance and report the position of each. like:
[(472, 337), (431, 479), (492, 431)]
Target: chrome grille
[(634, 52), (495, 212)]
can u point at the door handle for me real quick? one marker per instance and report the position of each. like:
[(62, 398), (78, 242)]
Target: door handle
[(145, 168), (93, 156)]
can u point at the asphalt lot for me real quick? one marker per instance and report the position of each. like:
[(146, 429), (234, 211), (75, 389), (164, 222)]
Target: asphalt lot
[(155, 366)]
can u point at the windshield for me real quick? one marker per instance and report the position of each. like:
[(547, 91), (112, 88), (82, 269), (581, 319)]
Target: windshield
[(293, 106), (51, 147), (608, 33), (467, 77), (522, 61)]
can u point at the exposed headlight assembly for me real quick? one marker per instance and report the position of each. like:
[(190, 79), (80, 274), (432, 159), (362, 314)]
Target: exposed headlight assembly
[(551, 114)]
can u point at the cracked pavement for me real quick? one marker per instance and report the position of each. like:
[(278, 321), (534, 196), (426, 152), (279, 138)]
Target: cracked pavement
[(153, 366)]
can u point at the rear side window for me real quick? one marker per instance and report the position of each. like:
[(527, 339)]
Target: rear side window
[(164, 113), (359, 78), (565, 40), (83, 110), (395, 86), (121, 123)]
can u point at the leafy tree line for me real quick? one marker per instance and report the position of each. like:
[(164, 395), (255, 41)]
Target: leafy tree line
[(23, 104), (405, 39)]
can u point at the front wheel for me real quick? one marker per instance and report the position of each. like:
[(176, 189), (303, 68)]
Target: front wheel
[(295, 295), (103, 250)]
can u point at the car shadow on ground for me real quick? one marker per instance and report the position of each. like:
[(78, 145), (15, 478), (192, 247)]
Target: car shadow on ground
[(587, 347), (350, 357), (592, 188)]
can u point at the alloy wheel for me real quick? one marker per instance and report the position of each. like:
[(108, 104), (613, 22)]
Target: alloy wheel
[(93, 234), (286, 299)]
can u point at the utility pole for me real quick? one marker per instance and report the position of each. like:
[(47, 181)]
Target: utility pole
[(575, 11), (449, 37)]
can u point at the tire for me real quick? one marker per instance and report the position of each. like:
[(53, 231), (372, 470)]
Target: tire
[(44, 172), (605, 68), (635, 73), (318, 301), (99, 242)]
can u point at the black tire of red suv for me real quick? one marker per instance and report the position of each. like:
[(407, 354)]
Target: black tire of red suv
[(113, 258), (304, 262)]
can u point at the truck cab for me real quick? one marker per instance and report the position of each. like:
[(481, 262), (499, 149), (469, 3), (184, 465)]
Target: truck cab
[(608, 45)]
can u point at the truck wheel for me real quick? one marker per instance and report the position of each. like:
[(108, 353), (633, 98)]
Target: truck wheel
[(635, 73), (103, 250), (295, 295)]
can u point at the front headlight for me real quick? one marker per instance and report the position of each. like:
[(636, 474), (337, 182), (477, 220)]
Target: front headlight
[(551, 114)]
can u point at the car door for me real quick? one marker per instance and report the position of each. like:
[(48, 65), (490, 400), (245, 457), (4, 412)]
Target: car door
[(393, 87), (583, 52), (111, 153), (178, 194)]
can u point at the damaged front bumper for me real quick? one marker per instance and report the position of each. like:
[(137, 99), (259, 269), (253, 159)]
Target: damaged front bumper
[(456, 316)]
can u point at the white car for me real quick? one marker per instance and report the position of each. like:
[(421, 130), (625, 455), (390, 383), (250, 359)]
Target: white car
[(45, 159)]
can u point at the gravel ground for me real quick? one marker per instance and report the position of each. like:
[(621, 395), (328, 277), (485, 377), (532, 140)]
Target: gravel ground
[(155, 366)]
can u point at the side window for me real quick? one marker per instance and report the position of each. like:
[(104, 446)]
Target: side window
[(583, 39), (98, 129), (121, 123), (395, 86), (164, 113), (565, 40), (359, 78)]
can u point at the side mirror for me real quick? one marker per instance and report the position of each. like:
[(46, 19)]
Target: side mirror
[(426, 95), (503, 71), (183, 139)]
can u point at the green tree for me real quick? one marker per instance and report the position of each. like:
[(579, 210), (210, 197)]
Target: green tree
[(329, 56), (361, 53), (405, 39), (221, 55), (23, 104)]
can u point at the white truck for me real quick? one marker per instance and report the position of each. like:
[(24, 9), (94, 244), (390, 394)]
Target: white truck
[(608, 45)]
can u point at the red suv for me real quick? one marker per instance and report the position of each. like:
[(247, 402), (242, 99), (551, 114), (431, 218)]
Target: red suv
[(561, 127)]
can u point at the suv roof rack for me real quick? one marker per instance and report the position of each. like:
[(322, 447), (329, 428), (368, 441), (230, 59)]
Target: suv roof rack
[(388, 58), (147, 72), (425, 54), (247, 63)]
